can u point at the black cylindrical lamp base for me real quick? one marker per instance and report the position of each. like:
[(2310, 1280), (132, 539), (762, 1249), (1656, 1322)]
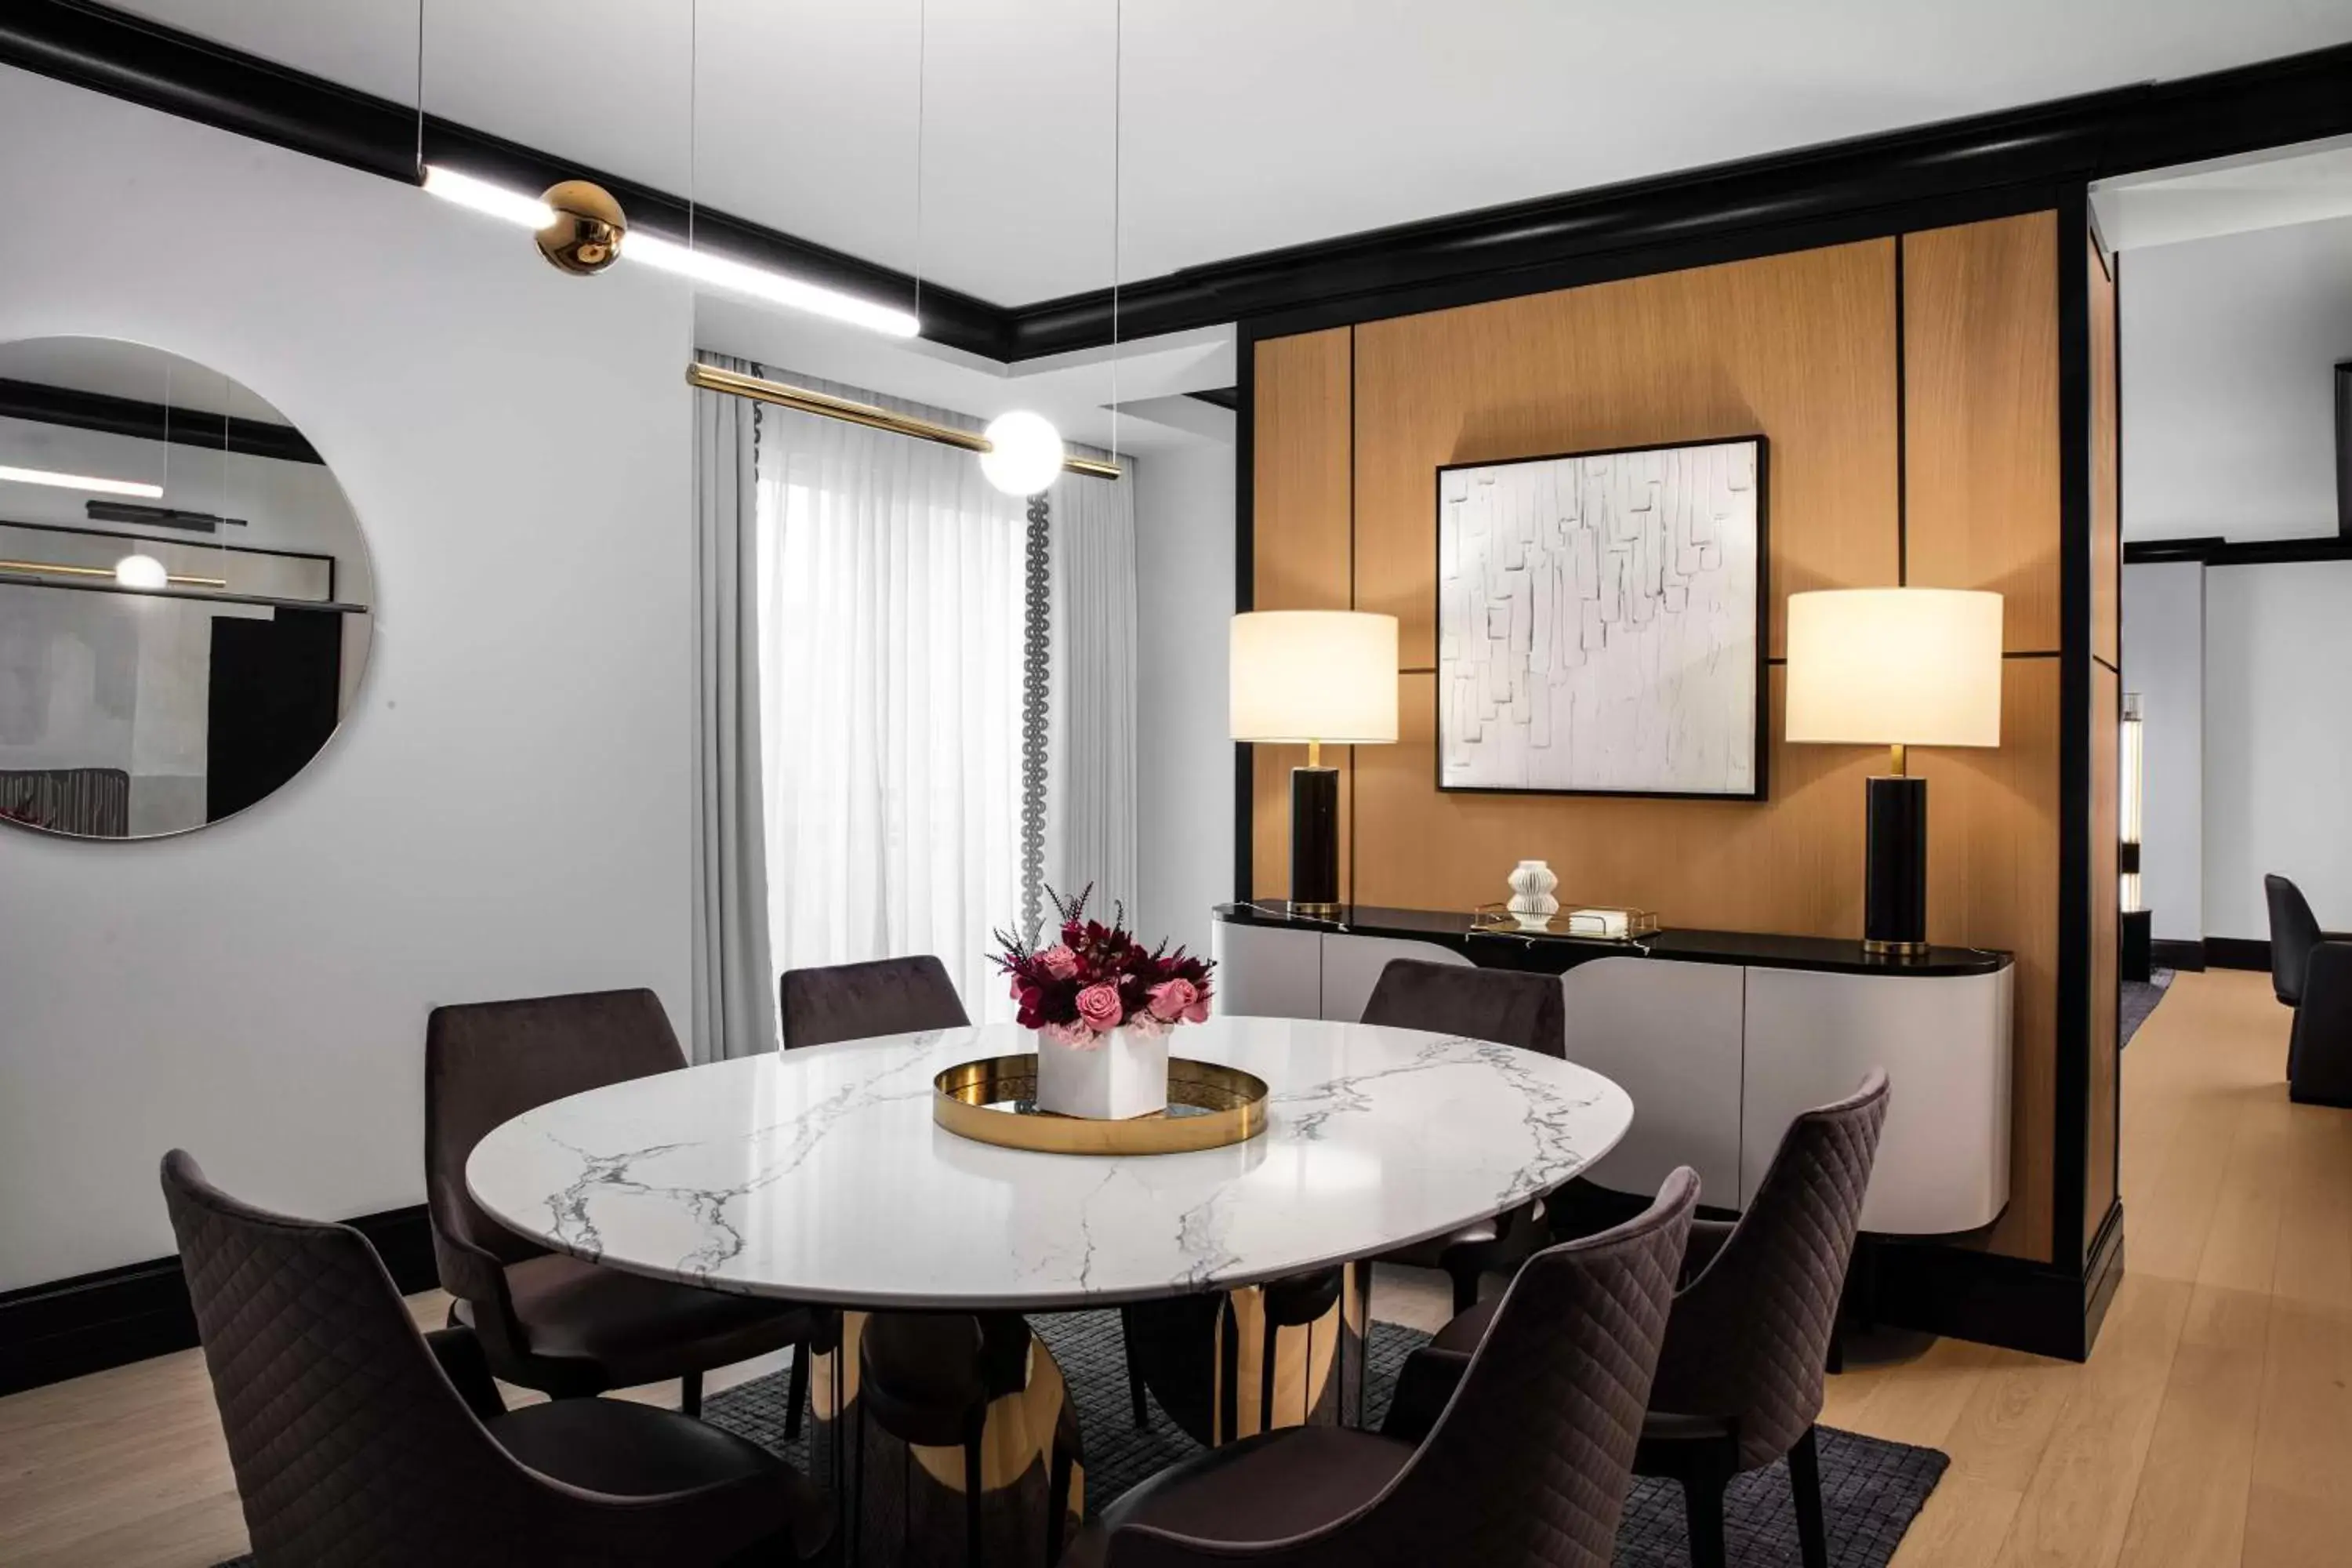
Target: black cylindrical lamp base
[(1315, 841), (1895, 874)]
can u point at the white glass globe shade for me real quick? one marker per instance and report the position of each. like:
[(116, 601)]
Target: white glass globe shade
[(1025, 453), (142, 571)]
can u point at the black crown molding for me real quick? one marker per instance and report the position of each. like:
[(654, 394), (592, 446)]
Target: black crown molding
[(1487, 254), (2215, 551)]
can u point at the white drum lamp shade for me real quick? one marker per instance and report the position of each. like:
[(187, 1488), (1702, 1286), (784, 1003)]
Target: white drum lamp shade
[(1897, 667), (1327, 676), (1314, 676)]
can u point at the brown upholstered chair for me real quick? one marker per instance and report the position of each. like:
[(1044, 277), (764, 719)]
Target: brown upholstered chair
[(357, 1440), (860, 1001), (546, 1320), (1740, 1381), (1503, 1005), (1527, 1467)]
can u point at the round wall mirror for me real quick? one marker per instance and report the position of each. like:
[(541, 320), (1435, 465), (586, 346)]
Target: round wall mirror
[(184, 593)]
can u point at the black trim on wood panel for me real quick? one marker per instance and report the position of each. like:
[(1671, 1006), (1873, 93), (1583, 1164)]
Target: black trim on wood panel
[(2215, 551), (2070, 1173), (1491, 253), (2043, 1309), (2343, 449), (144, 421), (71, 1327), (1246, 591), (1902, 426), (2178, 955), (2237, 953)]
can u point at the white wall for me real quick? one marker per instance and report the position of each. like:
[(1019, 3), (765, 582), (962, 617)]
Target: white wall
[(2163, 662), (2229, 395), (2278, 745), (1185, 759), (506, 812)]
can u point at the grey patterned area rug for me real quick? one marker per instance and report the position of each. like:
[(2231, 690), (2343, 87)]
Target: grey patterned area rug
[(1870, 1490), (2139, 999)]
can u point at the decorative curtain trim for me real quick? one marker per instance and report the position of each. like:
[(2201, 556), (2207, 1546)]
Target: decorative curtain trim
[(1036, 684)]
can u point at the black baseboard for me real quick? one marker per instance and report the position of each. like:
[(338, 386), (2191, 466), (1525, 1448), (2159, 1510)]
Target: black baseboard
[(2179, 955), (1965, 1293), (2237, 953), (93, 1321)]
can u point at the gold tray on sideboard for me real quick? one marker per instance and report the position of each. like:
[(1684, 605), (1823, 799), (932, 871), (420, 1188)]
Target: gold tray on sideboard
[(1498, 920), (993, 1101)]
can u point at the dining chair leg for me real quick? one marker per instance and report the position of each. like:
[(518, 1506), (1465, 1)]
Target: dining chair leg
[(1057, 1502), (1466, 1278), (1805, 1480), (1703, 1480), (799, 1395), (972, 1443), (689, 1395), (1135, 1394), (1273, 1342), (857, 1492)]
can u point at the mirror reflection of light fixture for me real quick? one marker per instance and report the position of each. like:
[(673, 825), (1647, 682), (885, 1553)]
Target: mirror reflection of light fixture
[(81, 482), (143, 572), (1894, 668)]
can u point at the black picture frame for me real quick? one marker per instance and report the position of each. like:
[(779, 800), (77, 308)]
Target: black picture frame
[(1762, 739)]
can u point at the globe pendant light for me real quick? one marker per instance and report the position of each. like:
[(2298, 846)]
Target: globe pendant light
[(1024, 452)]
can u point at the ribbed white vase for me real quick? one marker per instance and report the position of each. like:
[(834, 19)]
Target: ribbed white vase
[(1125, 1076), (1531, 892)]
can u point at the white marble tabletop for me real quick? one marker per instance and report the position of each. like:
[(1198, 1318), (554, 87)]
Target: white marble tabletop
[(819, 1175)]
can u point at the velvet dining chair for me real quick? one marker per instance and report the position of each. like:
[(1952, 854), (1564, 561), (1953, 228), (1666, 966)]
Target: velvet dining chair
[(357, 1440)]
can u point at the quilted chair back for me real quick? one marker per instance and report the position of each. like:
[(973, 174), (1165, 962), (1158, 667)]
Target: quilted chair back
[(1529, 1465), (349, 1444), (488, 1062), (860, 1001), (1750, 1336), (1499, 1004)]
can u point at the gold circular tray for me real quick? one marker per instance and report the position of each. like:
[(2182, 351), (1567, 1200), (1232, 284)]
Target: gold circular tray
[(993, 1101)]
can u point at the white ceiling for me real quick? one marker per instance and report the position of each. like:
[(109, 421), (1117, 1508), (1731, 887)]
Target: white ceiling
[(2309, 183), (1248, 124)]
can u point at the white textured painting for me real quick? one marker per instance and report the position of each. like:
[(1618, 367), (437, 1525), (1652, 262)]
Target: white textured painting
[(1598, 622)]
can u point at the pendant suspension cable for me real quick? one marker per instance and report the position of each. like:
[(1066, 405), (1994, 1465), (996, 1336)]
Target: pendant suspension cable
[(922, 61)]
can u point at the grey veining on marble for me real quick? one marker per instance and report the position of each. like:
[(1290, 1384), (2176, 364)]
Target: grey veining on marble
[(819, 1174)]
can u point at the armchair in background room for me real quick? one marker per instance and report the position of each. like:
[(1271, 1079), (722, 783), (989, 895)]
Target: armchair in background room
[(2311, 972)]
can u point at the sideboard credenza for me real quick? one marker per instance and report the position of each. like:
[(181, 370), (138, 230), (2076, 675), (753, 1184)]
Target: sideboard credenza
[(1721, 1037)]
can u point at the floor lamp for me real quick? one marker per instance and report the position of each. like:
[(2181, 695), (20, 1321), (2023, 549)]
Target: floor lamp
[(1314, 677)]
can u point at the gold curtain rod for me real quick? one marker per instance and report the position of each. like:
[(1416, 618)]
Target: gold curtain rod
[(710, 378), (59, 569)]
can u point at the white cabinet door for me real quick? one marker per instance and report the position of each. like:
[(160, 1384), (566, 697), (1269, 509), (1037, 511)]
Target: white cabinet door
[(1266, 972), (1943, 1157), (1352, 965), (1668, 1032)]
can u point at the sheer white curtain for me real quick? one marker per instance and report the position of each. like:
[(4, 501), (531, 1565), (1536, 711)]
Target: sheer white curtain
[(890, 643)]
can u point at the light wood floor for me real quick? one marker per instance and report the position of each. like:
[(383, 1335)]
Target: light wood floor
[(2213, 1424)]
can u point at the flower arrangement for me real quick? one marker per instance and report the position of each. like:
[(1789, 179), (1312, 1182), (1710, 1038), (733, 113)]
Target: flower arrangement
[(1099, 978)]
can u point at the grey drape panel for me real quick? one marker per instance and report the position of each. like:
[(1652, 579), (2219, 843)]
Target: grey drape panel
[(734, 981)]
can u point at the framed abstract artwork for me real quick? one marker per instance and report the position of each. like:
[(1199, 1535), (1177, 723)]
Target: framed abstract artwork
[(1601, 622)]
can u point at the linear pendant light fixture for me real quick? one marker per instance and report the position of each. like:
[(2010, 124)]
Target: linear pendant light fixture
[(554, 215)]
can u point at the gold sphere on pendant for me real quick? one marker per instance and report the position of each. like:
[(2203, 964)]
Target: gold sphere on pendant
[(586, 238)]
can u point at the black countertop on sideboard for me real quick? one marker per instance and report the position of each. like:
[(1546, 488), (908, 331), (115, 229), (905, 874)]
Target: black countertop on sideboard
[(1555, 955)]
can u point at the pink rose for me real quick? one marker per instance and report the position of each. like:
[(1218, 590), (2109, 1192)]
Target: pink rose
[(1098, 1007), (1169, 999), (1076, 1036), (1059, 962), (1198, 1013)]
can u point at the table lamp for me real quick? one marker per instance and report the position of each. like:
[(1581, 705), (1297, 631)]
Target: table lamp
[(1894, 668), (1314, 676)]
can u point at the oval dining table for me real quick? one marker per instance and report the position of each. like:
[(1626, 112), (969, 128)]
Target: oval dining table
[(819, 1175)]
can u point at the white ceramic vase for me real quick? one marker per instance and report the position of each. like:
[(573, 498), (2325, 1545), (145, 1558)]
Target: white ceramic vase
[(1125, 1076), (1532, 883)]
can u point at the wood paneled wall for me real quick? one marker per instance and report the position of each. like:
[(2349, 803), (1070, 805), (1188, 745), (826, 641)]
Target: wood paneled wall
[(1910, 389)]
